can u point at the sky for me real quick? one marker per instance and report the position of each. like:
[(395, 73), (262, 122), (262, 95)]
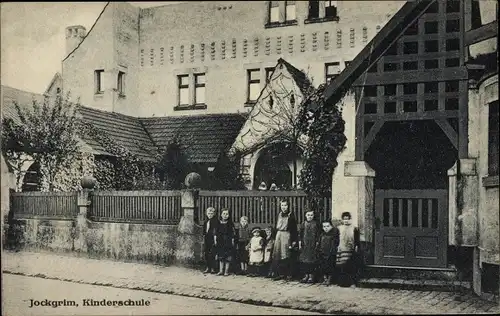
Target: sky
[(32, 38)]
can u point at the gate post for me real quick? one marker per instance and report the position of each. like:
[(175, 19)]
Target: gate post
[(187, 231), (357, 196)]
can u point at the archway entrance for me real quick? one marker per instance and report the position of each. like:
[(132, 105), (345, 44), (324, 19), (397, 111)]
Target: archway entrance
[(411, 160), (273, 166)]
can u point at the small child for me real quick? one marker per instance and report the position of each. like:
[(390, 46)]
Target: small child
[(268, 253), (308, 242), (256, 252), (243, 239), (224, 242), (327, 251), (209, 227)]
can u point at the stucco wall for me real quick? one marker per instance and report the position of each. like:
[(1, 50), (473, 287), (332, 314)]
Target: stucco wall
[(488, 215)]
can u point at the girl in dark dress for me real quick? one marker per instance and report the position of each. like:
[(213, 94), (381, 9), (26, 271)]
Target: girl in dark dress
[(308, 242), (224, 242), (209, 227)]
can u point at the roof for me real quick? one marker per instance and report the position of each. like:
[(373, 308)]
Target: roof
[(205, 137), (56, 77), (23, 98), (408, 13), (299, 76), (124, 130)]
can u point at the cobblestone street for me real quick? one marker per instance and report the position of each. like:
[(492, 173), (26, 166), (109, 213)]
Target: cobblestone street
[(259, 291)]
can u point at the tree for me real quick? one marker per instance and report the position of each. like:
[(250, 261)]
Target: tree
[(226, 175), (277, 118), (45, 133), (173, 165), (324, 127)]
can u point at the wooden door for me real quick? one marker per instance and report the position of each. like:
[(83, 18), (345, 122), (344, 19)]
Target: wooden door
[(411, 228)]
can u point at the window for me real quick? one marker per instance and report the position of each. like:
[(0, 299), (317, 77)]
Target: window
[(412, 29), (410, 88), (452, 6), (390, 89), (199, 89), (452, 86), (330, 9), (431, 105), (290, 11), (410, 65), (391, 66), (431, 87), (452, 26), (431, 46), (451, 104), (431, 64), (452, 62), (410, 48), (410, 106), (274, 12), (332, 70), (121, 83), (431, 27), (370, 108), (253, 85), (98, 81), (269, 73), (452, 44), (58, 90), (183, 89), (493, 139), (390, 107), (370, 91), (313, 10)]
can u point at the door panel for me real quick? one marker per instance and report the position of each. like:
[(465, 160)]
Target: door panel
[(413, 227)]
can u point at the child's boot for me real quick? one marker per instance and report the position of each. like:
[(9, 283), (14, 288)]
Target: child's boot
[(310, 279), (304, 279)]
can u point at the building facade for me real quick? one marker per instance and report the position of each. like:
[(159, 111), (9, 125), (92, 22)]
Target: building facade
[(210, 57)]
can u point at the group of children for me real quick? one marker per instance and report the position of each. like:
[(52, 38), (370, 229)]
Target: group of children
[(282, 251)]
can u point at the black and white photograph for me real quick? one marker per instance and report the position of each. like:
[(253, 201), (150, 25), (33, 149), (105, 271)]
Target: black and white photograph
[(250, 157)]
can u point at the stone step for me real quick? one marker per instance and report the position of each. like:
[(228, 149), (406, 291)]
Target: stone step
[(416, 284), (411, 273)]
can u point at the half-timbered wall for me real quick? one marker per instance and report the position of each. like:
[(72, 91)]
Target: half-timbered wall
[(420, 77)]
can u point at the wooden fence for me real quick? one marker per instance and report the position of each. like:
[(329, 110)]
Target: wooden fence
[(162, 207), (57, 205), (261, 207)]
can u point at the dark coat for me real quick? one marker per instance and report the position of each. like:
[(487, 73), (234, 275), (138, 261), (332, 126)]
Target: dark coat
[(328, 244), (209, 235)]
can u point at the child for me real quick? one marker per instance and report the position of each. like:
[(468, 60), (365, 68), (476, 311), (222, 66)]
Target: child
[(308, 242), (256, 252), (348, 248), (286, 239), (327, 251), (224, 242), (243, 239), (209, 227), (268, 253)]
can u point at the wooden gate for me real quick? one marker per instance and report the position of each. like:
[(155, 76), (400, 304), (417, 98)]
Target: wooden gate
[(411, 228)]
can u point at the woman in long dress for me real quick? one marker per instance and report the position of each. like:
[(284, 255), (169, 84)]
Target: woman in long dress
[(286, 239)]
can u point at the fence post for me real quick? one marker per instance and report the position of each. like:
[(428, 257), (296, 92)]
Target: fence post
[(83, 200), (187, 229)]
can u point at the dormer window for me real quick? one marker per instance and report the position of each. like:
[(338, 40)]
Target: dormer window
[(281, 13), (313, 10)]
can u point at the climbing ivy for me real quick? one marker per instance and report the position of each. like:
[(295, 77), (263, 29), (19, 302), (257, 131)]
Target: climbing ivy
[(324, 127)]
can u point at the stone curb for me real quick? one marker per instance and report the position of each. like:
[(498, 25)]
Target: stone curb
[(225, 295)]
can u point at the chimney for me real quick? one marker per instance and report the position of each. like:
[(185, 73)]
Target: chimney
[(74, 36)]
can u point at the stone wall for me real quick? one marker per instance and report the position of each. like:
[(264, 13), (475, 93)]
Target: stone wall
[(150, 243)]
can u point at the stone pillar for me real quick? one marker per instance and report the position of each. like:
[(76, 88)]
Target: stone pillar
[(463, 212), (357, 198), (463, 204), (81, 228), (186, 240)]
